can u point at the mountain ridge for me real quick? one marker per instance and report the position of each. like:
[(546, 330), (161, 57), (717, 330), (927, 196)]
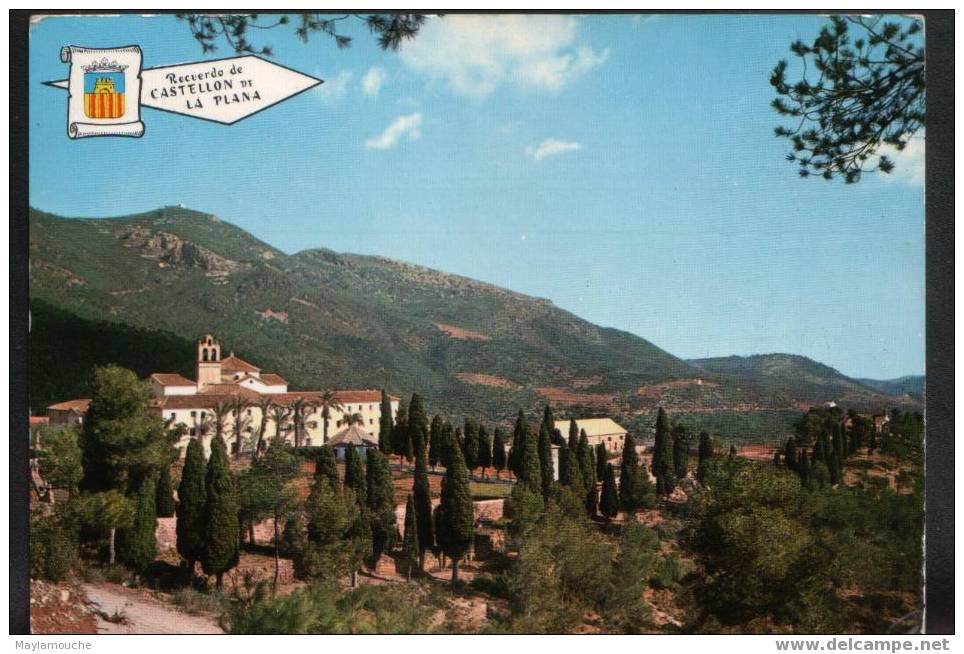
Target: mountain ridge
[(324, 319)]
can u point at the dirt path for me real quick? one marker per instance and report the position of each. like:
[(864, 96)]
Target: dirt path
[(142, 614)]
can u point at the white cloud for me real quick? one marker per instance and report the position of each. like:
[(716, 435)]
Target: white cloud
[(550, 148), (400, 127), (372, 82), (908, 163), (335, 88), (477, 54)]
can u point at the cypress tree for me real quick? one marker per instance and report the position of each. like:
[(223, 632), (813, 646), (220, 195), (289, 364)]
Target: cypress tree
[(222, 534), (456, 441), (663, 456), (576, 481), (417, 425), (456, 519), (326, 465), (836, 471), (557, 438), (422, 503), (165, 495), (546, 471), (385, 424), (573, 441), (381, 504), (790, 454), (400, 432), (587, 469), (498, 451), (548, 420), (681, 447), (355, 476), (530, 468), (705, 453), (661, 433), (485, 450), (824, 447), (137, 546), (410, 543), (631, 485), (192, 498), (609, 498), (435, 442), (584, 456), (803, 467), (447, 441), (570, 474), (565, 470), (519, 433), (470, 445), (602, 459), (839, 445)]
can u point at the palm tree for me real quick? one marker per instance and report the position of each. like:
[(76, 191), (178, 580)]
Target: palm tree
[(280, 415), (353, 419), (265, 404), (240, 421), (300, 410), (219, 416), (329, 402), (203, 425)]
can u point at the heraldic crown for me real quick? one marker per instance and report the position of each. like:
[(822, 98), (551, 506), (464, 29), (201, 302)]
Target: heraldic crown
[(105, 66)]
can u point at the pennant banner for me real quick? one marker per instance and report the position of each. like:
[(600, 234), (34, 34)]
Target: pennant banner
[(107, 88)]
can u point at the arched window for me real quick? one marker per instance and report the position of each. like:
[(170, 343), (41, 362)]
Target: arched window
[(205, 357)]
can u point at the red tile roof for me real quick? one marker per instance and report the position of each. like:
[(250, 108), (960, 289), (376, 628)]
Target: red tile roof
[(171, 379), (272, 379), (235, 364), (360, 396), (80, 405), (37, 421)]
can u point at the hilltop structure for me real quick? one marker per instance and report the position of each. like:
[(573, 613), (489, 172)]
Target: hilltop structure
[(225, 381)]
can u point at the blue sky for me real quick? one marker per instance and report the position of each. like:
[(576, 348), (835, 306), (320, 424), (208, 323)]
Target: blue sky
[(623, 167)]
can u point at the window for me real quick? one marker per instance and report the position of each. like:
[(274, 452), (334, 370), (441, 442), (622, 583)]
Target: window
[(192, 431), (204, 415), (173, 415), (370, 407), (194, 414), (371, 422), (249, 412)]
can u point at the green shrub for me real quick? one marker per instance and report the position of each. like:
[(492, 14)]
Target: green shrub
[(324, 609), (194, 601), (667, 572), (494, 585), (53, 546)]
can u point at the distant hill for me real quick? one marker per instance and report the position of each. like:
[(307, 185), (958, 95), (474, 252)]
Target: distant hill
[(324, 319), (789, 375), (912, 385)]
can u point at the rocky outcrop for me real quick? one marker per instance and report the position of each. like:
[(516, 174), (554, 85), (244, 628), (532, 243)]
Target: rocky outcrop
[(171, 250)]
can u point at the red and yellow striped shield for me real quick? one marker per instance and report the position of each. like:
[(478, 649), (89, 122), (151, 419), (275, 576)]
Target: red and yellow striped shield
[(104, 105), (103, 98)]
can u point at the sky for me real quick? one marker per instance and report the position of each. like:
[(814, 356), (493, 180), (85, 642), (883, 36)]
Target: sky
[(623, 167)]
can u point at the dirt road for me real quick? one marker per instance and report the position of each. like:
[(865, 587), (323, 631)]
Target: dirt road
[(141, 613)]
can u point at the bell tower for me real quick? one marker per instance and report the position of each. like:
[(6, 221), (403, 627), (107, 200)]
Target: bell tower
[(208, 361)]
